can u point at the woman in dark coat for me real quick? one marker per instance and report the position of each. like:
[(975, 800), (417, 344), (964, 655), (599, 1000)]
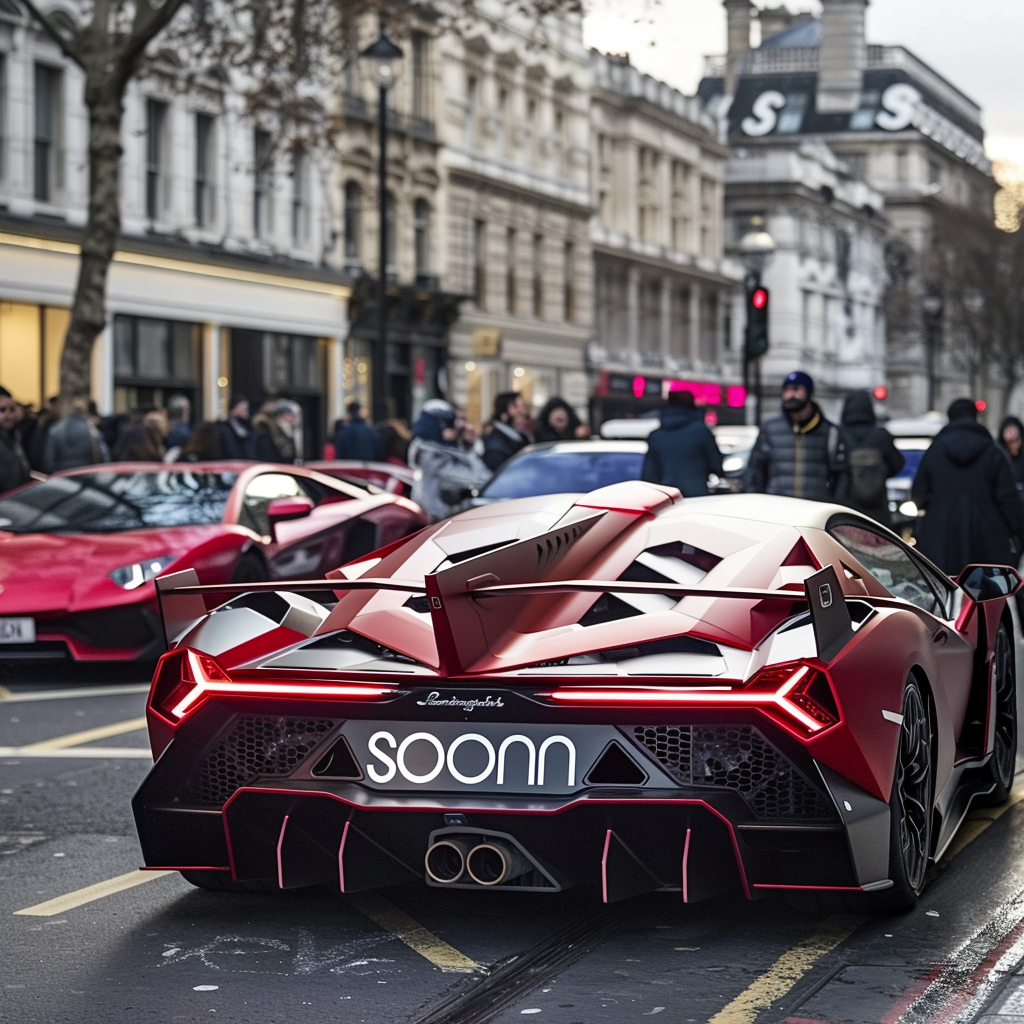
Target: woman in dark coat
[(557, 421), (965, 485), (872, 457)]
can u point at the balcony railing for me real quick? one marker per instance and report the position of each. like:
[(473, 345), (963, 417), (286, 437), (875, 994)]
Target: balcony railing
[(356, 108)]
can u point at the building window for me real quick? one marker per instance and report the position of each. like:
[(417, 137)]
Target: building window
[(934, 172), (3, 117), (510, 270), (47, 131), (353, 221), (420, 79), (471, 99), (531, 126), (569, 284), (503, 126), (155, 351), (156, 149), (421, 236), (538, 276), (479, 264), (558, 156), (300, 197), (203, 192), (262, 184)]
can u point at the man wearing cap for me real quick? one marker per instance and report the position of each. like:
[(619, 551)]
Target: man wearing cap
[(798, 453)]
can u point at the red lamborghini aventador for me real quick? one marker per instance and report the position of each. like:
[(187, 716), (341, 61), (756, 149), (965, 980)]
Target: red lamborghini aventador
[(736, 693), (79, 551)]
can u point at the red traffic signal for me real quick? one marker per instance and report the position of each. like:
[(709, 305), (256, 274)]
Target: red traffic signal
[(759, 298), (881, 393), (981, 405)]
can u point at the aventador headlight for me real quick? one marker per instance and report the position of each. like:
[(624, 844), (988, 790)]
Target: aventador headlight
[(132, 576)]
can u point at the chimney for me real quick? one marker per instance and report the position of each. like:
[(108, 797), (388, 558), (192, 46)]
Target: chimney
[(738, 14), (843, 55)]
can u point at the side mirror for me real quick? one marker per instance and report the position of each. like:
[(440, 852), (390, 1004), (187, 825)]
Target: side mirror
[(988, 582), (280, 510)]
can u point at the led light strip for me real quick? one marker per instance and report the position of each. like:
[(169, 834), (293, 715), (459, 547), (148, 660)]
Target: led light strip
[(205, 689)]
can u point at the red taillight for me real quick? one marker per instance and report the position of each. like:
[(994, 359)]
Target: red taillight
[(799, 692), (185, 679)]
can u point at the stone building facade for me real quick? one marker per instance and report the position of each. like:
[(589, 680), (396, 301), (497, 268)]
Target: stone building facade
[(226, 279), (516, 207), (663, 286), (898, 126)]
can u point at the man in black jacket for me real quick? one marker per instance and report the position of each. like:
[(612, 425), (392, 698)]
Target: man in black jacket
[(682, 452), (506, 436), (14, 469), (798, 453), (965, 486)]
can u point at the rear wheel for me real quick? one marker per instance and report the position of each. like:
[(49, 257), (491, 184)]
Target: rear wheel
[(1004, 753), (910, 805), (221, 881)]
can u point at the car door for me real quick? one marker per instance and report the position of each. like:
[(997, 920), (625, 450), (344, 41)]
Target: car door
[(905, 575)]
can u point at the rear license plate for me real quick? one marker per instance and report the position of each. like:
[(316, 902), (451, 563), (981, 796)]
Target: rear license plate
[(17, 631)]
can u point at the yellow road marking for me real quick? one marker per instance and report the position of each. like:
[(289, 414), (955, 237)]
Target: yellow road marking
[(75, 739), (412, 933), (133, 753), (92, 892), (5, 694), (72, 694), (786, 971), (978, 821)]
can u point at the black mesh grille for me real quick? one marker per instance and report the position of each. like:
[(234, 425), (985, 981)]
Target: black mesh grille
[(255, 748), (737, 758)]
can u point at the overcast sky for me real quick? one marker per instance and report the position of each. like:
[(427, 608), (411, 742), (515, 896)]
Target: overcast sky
[(978, 46)]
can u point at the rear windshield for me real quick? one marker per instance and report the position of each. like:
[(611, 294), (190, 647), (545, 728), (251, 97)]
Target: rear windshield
[(558, 472), (112, 502)]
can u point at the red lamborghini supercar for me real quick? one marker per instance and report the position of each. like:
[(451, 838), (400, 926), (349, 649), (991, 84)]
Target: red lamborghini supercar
[(624, 689), (79, 551)]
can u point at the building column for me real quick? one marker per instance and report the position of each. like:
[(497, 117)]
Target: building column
[(102, 369), (696, 327), (633, 314), (720, 348), (212, 372), (335, 385)]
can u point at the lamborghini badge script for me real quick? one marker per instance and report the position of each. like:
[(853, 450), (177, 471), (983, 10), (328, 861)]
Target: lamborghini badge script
[(435, 700), (381, 742)]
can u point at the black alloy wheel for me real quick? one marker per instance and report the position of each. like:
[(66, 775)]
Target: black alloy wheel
[(910, 806), (1004, 753)]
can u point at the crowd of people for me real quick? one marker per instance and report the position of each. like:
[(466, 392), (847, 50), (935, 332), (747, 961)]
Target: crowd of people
[(968, 485), (47, 441)]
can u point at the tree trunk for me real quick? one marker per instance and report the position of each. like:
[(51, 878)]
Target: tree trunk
[(88, 312)]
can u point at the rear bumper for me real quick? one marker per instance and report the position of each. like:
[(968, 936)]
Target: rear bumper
[(204, 806)]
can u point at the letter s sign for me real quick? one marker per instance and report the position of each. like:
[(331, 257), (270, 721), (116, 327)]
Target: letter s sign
[(899, 104), (764, 114)]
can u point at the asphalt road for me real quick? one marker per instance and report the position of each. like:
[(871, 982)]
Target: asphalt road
[(87, 937)]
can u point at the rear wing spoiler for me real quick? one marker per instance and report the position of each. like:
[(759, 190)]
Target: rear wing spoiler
[(182, 602)]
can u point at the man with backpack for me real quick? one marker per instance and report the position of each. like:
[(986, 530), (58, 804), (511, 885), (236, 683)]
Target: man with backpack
[(798, 453), (871, 458)]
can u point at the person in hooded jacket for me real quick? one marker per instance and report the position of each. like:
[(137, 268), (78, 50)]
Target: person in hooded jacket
[(682, 452), (965, 486), (871, 458)]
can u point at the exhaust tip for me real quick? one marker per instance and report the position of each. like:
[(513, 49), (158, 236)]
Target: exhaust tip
[(445, 861), (495, 862)]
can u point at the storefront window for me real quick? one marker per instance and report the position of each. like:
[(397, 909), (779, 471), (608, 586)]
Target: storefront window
[(154, 359)]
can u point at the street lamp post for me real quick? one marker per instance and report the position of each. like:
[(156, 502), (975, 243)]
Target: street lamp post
[(755, 250), (931, 307), (383, 60)]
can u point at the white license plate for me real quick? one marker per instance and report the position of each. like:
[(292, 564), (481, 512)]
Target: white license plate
[(17, 631)]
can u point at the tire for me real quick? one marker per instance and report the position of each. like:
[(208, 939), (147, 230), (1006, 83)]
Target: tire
[(1004, 754), (221, 881), (251, 568), (910, 805)]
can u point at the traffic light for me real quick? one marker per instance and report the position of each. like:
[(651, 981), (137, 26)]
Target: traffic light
[(757, 323)]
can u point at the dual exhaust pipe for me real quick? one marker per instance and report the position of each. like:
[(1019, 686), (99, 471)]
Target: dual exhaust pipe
[(491, 862)]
